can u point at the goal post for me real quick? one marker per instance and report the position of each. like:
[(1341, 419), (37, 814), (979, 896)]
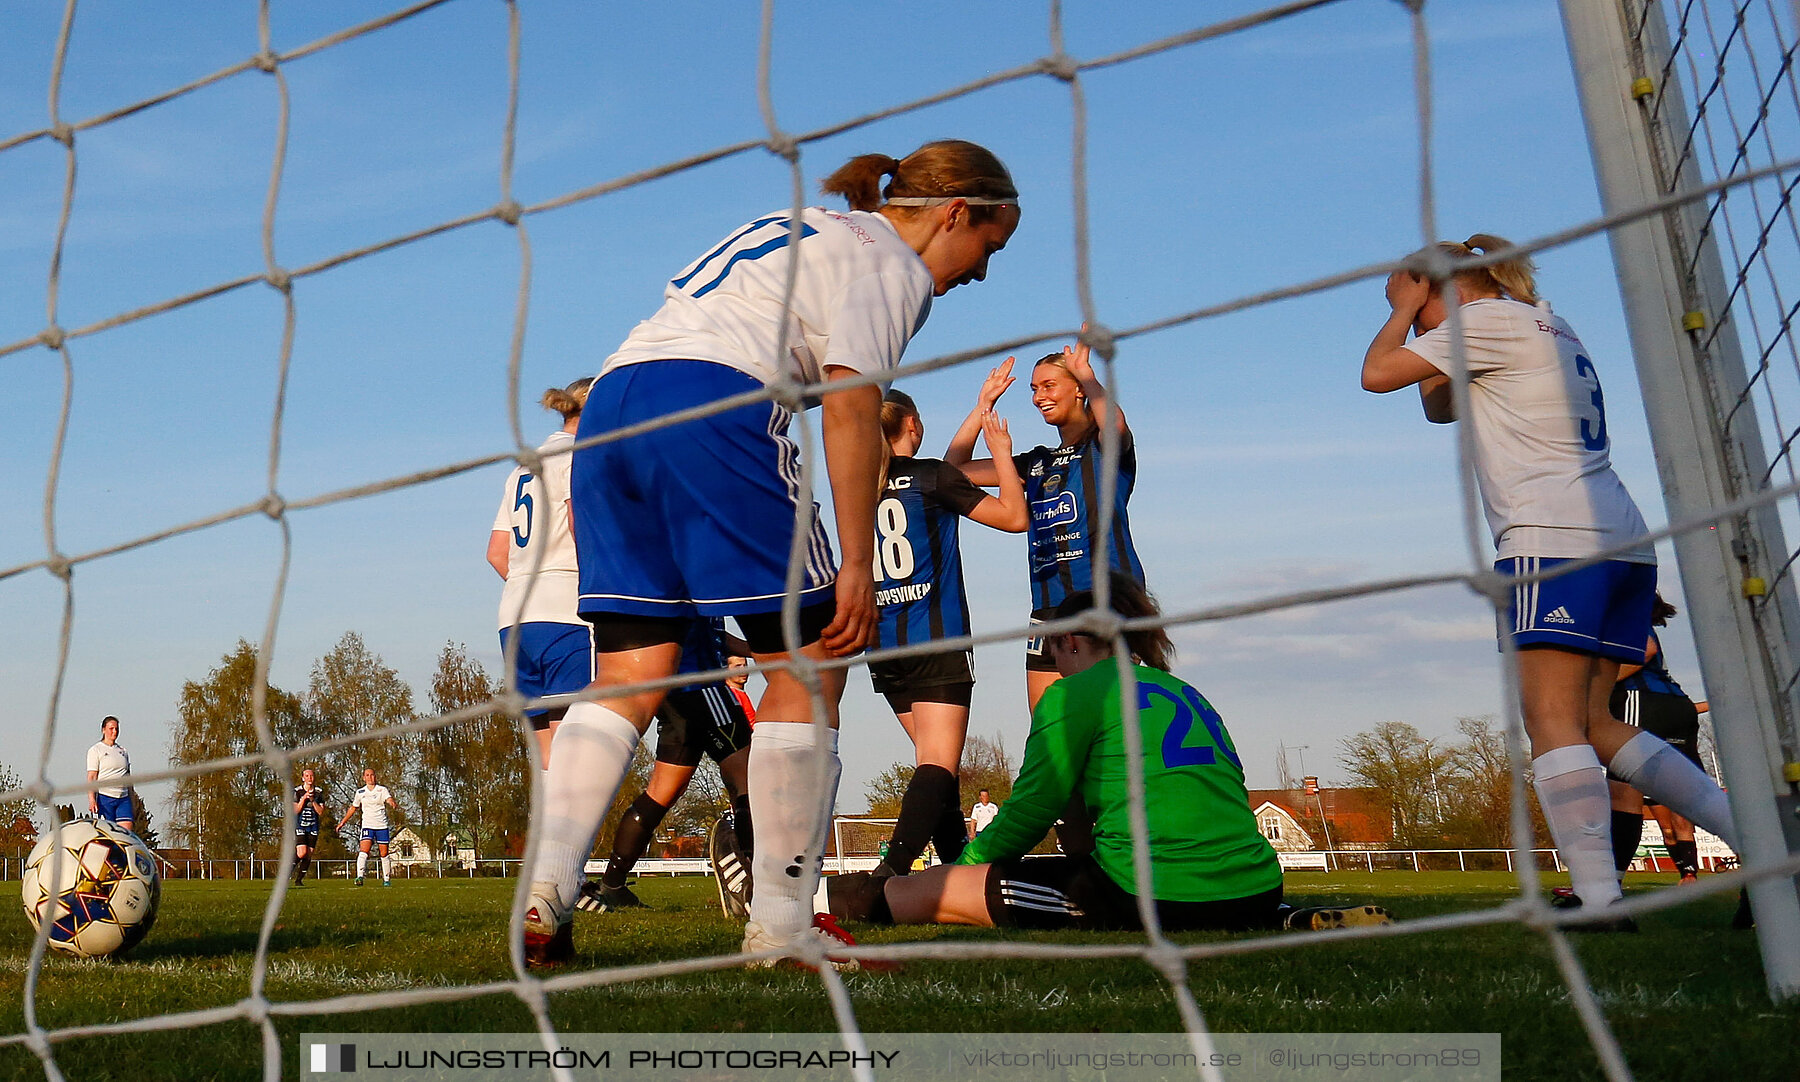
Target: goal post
[(1683, 316)]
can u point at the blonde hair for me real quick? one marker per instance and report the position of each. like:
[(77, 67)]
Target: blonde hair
[(569, 400), (1056, 360), (896, 407), (1510, 278), (944, 169)]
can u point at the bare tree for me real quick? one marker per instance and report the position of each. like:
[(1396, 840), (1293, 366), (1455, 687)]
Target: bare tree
[(1409, 771), (704, 801), (985, 765), (1482, 817)]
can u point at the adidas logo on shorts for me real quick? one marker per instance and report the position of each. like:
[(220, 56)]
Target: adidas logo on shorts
[(1558, 615)]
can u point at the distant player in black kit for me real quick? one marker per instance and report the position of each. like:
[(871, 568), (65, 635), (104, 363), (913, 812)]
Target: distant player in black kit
[(1648, 697), (696, 720), (309, 805), (919, 589)]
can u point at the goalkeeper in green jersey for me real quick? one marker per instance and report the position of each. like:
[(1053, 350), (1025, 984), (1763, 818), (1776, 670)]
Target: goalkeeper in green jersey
[(1210, 866)]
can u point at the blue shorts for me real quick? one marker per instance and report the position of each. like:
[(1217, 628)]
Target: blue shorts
[(1603, 609), (554, 659), (698, 516), (378, 835), (116, 808)]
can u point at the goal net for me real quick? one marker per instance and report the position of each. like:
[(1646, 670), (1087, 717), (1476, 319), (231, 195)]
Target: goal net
[(271, 496)]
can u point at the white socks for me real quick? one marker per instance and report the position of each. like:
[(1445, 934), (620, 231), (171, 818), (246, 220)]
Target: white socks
[(592, 752), (1648, 764), (793, 811), (362, 862), (1571, 786), (387, 868)]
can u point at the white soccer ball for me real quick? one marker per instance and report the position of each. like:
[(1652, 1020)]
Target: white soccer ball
[(96, 883)]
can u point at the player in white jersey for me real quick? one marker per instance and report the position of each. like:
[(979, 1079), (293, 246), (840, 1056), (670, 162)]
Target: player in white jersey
[(1546, 479), (533, 548), (107, 761), (648, 509), (373, 801)]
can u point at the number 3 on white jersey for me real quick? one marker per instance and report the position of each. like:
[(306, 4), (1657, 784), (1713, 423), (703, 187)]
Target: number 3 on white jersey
[(893, 552)]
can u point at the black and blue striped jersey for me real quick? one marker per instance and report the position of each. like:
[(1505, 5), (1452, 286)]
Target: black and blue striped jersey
[(918, 561), (1654, 676), (306, 820), (1062, 494)]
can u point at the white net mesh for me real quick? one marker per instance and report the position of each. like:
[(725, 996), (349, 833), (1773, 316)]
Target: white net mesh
[(1747, 137), (1725, 107)]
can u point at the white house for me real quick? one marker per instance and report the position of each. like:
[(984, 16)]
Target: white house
[(408, 847), (1283, 831)]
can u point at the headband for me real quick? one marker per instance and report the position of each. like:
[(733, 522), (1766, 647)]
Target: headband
[(940, 200)]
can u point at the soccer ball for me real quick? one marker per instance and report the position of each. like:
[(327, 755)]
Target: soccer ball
[(96, 883)]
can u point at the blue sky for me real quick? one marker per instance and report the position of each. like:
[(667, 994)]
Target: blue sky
[(1266, 158)]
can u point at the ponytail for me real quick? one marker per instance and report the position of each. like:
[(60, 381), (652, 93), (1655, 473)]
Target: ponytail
[(941, 171), (569, 400), (1513, 278), (859, 180)]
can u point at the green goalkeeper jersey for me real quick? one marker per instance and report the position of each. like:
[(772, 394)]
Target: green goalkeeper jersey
[(1204, 844)]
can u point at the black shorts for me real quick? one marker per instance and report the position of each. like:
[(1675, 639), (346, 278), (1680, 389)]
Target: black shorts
[(700, 721), (1037, 659), (905, 675), (310, 840), (1671, 717), (1075, 892)]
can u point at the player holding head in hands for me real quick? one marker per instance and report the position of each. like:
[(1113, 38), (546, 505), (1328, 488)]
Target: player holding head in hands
[(373, 800), (1212, 867), (701, 517), (921, 597), (1551, 497), (532, 546)]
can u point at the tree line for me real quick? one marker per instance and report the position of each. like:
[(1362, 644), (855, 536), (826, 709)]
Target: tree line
[(1443, 793), (1451, 793), (469, 779)]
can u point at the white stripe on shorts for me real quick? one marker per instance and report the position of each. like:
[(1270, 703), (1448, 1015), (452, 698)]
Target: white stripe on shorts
[(715, 705), (818, 562), (1022, 895)]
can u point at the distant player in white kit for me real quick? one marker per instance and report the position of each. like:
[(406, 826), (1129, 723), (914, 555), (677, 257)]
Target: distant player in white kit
[(106, 760), (1544, 469), (374, 801), (533, 549), (648, 509), (983, 812)]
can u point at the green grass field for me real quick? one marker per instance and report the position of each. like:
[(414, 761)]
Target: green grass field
[(1685, 995)]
